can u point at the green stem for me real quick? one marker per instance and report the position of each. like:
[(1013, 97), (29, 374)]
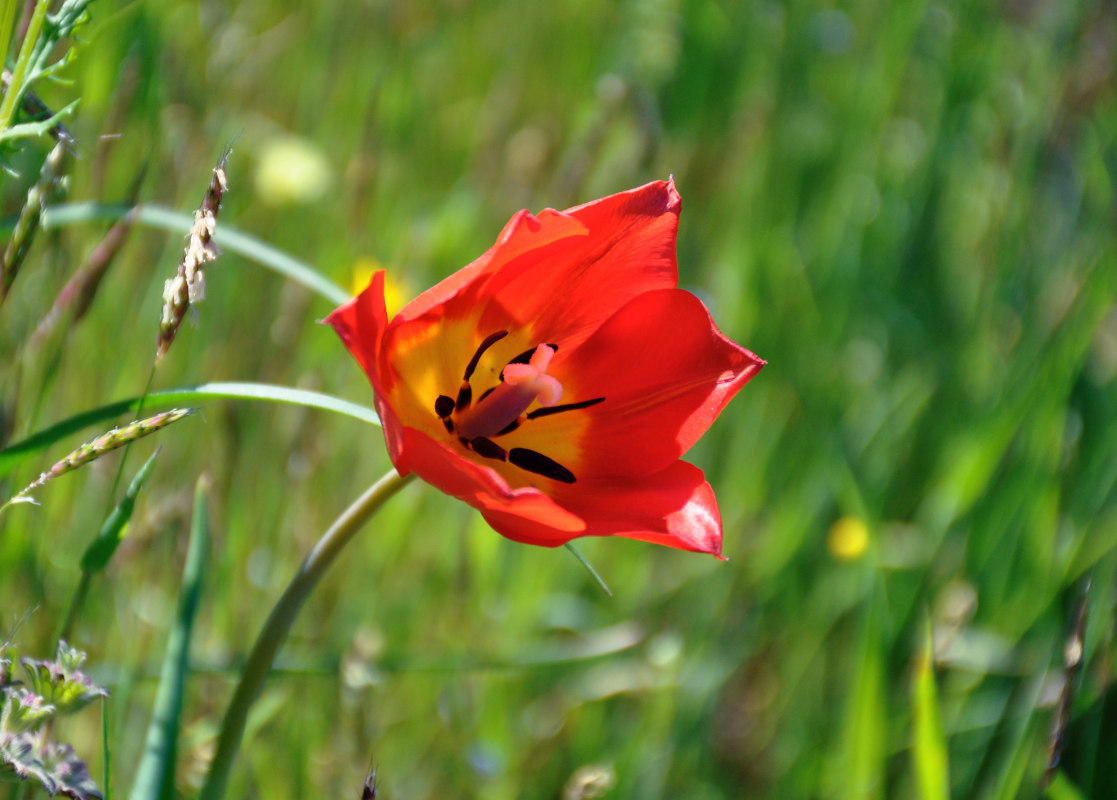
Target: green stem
[(75, 605), (279, 625), (8, 11), (128, 447), (19, 74)]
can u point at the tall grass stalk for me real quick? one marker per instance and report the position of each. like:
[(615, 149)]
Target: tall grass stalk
[(281, 619), (8, 10), (23, 64)]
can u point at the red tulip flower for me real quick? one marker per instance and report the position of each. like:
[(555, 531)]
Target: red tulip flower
[(554, 383)]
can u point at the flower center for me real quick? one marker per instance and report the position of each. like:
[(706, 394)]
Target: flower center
[(504, 407), (523, 385)]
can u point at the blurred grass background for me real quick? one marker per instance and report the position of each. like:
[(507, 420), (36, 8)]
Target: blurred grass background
[(906, 207)]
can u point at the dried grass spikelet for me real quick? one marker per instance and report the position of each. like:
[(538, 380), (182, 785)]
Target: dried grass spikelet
[(188, 286)]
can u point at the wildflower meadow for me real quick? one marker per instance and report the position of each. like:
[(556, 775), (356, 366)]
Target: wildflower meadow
[(689, 399)]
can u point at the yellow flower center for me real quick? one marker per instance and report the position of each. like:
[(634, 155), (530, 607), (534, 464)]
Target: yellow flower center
[(503, 408)]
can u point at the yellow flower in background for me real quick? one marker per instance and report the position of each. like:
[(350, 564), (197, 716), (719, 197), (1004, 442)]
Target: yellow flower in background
[(396, 291), (291, 171), (848, 539)]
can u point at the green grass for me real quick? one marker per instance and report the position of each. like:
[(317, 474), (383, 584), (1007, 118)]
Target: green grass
[(906, 208)]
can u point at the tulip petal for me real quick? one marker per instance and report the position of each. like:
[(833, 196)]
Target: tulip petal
[(562, 292), (481, 487), (525, 233), (361, 323), (665, 371), (674, 507)]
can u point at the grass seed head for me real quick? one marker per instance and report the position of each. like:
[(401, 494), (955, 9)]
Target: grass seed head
[(28, 223), (106, 443), (188, 286)]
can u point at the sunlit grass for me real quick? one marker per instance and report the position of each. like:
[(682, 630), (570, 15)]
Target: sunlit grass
[(907, 210)]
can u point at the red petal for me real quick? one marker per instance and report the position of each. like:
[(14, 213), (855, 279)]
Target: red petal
[(665, 371), (565, 291), (675, 507), (481, 487), (525, 233), (361, 323)]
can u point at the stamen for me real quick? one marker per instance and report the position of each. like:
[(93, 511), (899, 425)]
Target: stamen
[(538, 463), (444, 406), (524, 384), (488, 448), (546, 412), (490, 340), (465, 396)]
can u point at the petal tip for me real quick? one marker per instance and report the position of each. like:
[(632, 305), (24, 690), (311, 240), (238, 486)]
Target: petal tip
[(674, 199)]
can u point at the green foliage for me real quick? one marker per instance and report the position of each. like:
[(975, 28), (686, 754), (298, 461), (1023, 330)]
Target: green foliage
[(97, 555), (905, 207), (38, 60), (155, 773)]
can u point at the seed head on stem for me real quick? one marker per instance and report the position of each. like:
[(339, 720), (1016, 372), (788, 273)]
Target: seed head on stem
[(188, 286)]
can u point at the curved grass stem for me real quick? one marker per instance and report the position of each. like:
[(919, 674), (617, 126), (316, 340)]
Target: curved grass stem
[(280, 621)]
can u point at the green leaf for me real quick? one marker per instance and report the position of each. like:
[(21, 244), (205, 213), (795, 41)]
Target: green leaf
[(101, 549), (589, 568), (1062, 789), (16, 453), (862, 771), (229, 239), (155, 775), (932, 772)]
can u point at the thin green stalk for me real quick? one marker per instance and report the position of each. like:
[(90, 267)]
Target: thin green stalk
[(279, 625), (8, 12), (155, 774), (128, 447), (19, 74), (106, 784), (76, 604), (589, 568)]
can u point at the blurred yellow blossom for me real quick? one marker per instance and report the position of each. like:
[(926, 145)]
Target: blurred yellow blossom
[(396, 293), (291, 171), (848, 539)]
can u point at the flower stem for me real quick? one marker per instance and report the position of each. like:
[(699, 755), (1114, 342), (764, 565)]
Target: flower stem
[(280, 621), (23, 63)]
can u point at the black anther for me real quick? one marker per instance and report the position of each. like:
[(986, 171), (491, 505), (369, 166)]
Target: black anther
[(465, 396), (546, 412), (538, 463), (488, 448), (444, 406)]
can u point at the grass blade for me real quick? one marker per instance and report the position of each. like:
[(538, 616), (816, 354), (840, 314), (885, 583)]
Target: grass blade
[(16, 453), (228, 239), (862, 771), (932, 774), (106, 749), (155, 775), (97, 555)]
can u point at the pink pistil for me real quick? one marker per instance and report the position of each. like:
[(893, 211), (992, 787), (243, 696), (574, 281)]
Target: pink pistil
[(523, 384)]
